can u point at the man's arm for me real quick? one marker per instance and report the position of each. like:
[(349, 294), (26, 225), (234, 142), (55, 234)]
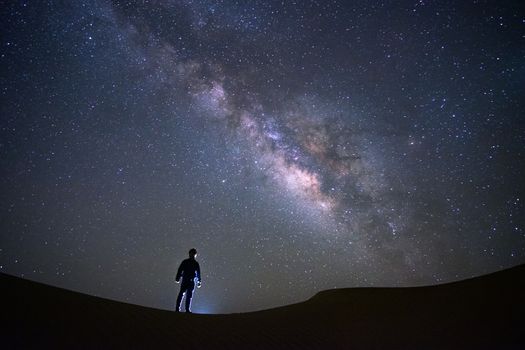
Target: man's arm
[(179, 272), (198, 273)]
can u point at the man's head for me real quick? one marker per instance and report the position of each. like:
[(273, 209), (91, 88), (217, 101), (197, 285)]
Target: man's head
[(193, 252)]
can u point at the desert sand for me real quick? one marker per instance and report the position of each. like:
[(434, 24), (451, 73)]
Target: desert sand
[(483, 312)]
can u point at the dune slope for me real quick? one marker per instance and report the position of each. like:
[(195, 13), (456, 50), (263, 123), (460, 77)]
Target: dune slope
[(483, 312)]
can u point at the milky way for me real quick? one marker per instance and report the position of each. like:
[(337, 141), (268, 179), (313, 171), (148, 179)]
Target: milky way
[(298, 146)]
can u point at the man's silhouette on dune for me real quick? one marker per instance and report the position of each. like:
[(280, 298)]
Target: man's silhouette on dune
[(189, 269)]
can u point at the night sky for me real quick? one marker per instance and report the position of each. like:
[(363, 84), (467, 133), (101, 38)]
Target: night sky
[(298, 145)]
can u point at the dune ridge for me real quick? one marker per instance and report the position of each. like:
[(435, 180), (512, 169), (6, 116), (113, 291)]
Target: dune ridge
[(482, 312)]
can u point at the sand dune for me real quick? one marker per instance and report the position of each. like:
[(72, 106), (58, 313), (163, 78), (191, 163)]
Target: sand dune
[(484, 312)]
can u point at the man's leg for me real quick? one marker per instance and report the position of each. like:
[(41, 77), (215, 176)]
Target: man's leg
[(179, 298), (189, 294)]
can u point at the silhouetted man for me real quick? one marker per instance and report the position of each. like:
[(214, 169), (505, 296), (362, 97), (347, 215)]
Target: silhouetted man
[(189, 270)]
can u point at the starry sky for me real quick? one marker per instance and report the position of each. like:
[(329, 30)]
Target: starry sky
[(298, 145)]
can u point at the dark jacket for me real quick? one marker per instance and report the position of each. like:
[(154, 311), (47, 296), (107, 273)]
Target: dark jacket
[(188, 270)]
